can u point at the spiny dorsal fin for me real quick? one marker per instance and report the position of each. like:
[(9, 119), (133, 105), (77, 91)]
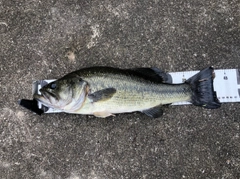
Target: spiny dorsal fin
[(102, 95), (155, 74)]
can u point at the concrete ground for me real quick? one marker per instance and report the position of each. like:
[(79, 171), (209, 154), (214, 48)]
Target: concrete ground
[(47, 39)]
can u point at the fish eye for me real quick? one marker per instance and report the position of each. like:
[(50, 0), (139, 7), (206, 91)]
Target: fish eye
[(53, 86)]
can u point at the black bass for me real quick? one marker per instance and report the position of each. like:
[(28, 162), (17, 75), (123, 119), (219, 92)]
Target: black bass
[(105, 91)]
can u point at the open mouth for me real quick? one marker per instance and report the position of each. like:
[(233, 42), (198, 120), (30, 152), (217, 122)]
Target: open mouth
[(48, 94), (44, 97), (41, 98)]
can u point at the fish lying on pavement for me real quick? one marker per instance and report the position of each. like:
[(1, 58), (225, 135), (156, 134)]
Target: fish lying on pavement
[(105, 91)]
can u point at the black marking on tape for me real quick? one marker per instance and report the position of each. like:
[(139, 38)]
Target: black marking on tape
[(225, 76)]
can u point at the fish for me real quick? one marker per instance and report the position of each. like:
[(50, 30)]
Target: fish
[(105, 91)]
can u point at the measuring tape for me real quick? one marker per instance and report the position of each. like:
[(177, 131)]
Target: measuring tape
[(226, 84)]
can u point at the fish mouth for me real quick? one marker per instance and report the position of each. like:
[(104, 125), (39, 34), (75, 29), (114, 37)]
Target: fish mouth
[(44, 97), (48, 94)]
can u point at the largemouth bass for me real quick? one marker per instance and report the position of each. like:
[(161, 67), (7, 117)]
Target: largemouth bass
[(105, 91)]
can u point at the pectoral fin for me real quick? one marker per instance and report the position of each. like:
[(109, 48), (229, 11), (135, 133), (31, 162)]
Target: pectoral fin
[(102, 95), (154, 112)]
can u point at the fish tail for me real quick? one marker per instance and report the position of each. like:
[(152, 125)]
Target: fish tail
[(203, 91)]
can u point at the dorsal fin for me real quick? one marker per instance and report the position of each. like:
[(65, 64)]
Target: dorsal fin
[(155, 74)]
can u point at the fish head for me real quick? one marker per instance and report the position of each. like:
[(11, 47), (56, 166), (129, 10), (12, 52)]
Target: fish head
[(66, 94)]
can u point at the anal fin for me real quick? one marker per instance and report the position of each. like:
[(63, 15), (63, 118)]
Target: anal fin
[(154, 112)]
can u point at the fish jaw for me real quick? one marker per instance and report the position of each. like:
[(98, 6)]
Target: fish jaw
[(49, 99), (43, 99)]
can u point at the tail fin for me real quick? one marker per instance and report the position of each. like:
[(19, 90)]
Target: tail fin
[(202, 87)]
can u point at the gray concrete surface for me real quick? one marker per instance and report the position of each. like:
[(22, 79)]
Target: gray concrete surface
[(47, 39)]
